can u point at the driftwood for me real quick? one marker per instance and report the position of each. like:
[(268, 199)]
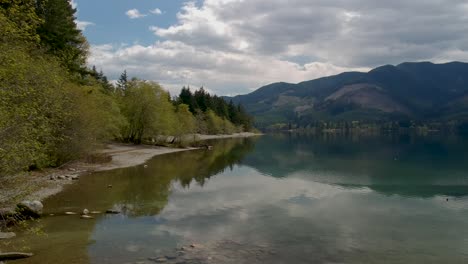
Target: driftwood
[(14, 255)]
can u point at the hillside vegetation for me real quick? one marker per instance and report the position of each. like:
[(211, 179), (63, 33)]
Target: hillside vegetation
[(54, 109), (405, 95)]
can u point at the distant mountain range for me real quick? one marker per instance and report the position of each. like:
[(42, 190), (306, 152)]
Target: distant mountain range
[(420, 91)]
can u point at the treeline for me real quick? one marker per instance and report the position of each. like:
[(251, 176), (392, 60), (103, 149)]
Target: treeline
[(402, 126), (53, 108), (203, 105)]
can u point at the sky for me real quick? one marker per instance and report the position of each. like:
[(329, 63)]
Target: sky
[(233, 47)]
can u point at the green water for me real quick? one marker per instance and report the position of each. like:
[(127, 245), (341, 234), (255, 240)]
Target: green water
[(274, 199)]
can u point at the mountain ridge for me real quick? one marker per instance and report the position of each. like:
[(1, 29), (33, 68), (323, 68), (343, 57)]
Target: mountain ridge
[(421, 91)]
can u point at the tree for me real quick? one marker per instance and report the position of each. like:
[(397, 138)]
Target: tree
[(59, 34), (45, 119), (148, 111), (202, 99), (186, 121), (122, 83)]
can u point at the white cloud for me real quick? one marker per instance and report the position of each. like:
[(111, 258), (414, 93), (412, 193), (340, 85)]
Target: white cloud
[(175, 64), (234, 46), (82, 25), (134, 13), (156, 11), (73, 4)]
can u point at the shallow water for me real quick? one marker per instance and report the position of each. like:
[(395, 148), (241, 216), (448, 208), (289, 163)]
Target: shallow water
[(275, 199)]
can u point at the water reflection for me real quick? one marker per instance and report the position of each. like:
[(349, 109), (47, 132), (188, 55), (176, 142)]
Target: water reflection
[(304, 198), (392, 164)]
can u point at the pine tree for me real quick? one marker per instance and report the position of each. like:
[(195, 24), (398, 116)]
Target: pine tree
[(59, 34), (122, 83), (201, 98)]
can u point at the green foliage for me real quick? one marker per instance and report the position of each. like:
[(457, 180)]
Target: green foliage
[(102, 80), (53, 109), (19, 21), (148, 111), (185, 121), (45, 118), (59, 34), (201, 103)]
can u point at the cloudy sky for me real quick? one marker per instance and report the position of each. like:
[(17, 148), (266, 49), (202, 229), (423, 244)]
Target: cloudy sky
[(235, 46)]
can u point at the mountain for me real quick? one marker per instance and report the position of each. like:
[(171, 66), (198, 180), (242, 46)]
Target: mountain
[(421, 91)]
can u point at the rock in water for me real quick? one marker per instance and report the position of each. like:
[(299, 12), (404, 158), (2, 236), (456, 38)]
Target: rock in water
[(30, 209), (7, 235), (86, 217), (110, 211), (70, 213), (14, 255), (161, 260)]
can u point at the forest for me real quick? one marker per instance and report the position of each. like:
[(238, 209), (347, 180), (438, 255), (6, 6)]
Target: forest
[(55, 108)]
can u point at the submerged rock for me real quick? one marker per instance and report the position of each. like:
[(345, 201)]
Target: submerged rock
[(110, 211), (14, 255), (70, 213), (160, 260), (30, 209), (86, 217), (7, 235)]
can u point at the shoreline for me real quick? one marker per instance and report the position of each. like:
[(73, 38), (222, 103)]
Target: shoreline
[(41, 185)]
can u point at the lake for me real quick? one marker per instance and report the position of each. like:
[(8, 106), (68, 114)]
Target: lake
[(284, 198)]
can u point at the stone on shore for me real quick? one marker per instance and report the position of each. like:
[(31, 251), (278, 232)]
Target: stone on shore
[(30, 209), (7, 235)]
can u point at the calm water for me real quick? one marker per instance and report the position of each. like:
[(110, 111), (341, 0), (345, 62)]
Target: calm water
[(274, 199)]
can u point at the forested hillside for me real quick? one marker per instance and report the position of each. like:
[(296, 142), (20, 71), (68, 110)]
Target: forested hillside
[(54, 108), (424, 94)]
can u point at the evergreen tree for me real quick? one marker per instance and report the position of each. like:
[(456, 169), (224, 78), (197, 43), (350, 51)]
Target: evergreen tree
[(59, 34), (122, 83), (106, 85), (186, 97), (201, 99)]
